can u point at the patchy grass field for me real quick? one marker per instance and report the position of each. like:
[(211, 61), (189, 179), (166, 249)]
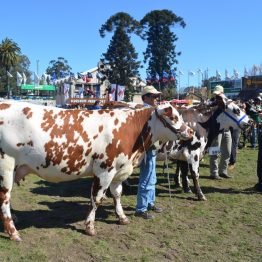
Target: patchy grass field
[(227, 227)]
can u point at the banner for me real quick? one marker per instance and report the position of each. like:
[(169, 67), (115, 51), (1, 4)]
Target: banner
[(117, 93)]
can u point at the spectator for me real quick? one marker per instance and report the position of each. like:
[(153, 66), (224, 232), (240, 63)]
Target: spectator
[(254, 114), (258, 186), (222, 143), (235, 134), (96, 105), (147, 178)]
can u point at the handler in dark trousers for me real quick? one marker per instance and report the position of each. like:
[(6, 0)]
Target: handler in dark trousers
[(258, 186)]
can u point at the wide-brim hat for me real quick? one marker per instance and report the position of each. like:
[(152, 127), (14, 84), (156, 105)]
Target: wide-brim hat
[(218, 90), (150, 90)]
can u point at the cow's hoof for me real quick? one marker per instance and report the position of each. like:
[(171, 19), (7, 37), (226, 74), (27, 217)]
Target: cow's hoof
[(124, 221), (202, 198), (16, 238), (90, 231)]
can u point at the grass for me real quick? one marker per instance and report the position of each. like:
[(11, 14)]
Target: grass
[(227, 227)]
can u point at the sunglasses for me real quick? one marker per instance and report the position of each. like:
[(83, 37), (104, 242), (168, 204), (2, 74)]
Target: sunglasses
[(154, 96)]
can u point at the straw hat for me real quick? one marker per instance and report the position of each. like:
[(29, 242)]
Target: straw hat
[(218, 90), (150, 90)]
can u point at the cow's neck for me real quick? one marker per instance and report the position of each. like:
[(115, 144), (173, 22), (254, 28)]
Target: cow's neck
[(143, 132)]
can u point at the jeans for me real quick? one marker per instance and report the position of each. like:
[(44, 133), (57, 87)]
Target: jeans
[(147, 180)]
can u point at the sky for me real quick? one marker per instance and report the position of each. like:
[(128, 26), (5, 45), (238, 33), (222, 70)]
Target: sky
[(219, 34)]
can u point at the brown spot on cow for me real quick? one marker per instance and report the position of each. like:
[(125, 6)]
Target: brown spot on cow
[(112, 114), (69, 124), (116, 121), (30, 143), (20, 144), (1, 122), (4, 106), (3, 197), (27, 112), (100, 129), (88, 151), (134, 136), (94, 137)]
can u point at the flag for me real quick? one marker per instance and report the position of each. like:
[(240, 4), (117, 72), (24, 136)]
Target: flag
[(53, 77), (121, 93), (199, 71), (19, 79), (218, 75), (227, 77), (36, 79), (172, 75), (117, 92), (8, 74), (245, 72), (62, 74), (66, 91), (236, 74), (24, 78), (148, 78), (157, 78), (165, 76), (191, 73), (81, 92)]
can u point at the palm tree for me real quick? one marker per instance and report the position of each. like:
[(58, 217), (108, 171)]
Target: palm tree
[(9, 56)]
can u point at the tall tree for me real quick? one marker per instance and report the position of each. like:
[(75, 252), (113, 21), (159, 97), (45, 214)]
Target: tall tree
[(161, 52), (121, 55), (9, 57), (58, 67)]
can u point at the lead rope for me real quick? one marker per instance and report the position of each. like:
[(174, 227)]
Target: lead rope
[(143, 143), (168, 179)]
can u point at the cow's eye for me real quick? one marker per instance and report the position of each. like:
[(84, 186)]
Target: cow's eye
[(236, 111)]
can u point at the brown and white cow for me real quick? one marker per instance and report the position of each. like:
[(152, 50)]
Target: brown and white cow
[(62, 145), (207, 122)]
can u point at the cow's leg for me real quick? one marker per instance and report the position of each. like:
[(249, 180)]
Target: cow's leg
[(116, 190), (195, 175), (98, 192), (6, 183), (177, 177), (184, 173)]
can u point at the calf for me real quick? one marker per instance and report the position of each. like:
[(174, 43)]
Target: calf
[(63, 145)]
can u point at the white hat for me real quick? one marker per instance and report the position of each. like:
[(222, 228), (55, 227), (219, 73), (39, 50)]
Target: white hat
[(260, 94), (218, 90), (150, 90)]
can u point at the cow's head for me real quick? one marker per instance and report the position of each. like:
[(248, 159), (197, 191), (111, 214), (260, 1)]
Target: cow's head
[(170, 125), (232, 116)]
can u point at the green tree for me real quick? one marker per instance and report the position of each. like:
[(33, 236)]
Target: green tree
[(9, 57), (58, 67), (161, 52), (121, 55)]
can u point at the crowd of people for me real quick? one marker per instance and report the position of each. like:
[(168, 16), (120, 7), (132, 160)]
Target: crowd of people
[(222, 158)]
